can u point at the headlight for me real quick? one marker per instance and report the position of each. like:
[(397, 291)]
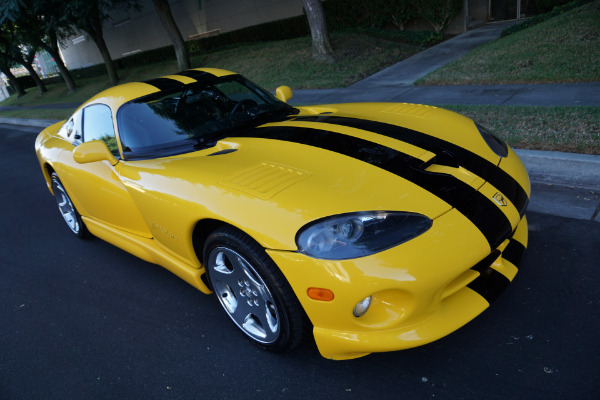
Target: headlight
[(496, 144), (360, 234)]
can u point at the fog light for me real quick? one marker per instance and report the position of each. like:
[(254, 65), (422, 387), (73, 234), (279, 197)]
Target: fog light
[(362, 307)]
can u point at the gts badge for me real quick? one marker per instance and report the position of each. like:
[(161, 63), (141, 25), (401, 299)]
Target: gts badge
[(156, 227), (499, 199)]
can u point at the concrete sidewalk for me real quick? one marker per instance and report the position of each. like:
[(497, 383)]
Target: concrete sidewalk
[(565, 94), (395, 83)]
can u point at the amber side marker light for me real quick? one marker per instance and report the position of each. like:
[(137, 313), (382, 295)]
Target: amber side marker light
[(320, 294)]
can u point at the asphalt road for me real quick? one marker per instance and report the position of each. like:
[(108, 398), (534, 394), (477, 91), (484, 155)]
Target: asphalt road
[(81, 319)]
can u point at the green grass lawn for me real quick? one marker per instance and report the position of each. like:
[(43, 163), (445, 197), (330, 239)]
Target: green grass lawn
[(40, 113), (565, 48), (290, 62), (570, 129)]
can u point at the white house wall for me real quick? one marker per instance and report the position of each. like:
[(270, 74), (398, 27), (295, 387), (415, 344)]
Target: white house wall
[(129, 32)]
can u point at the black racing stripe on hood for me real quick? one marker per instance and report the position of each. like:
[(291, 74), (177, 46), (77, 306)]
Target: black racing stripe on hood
[(195, 74), (467, 159), (514, 252), (165, 83), (490, 283), (492, 223)]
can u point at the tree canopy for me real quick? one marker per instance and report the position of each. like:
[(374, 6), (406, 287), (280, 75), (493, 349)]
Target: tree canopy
[(47, 23)]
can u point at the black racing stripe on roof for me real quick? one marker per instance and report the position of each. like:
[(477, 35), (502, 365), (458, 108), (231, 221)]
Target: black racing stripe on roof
[(490, 283), (514, 252), (484, 214), (165, 83), (194, 74), (467, 159)]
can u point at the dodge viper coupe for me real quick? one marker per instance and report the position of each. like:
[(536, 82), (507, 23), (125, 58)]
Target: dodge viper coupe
[(375, 226)]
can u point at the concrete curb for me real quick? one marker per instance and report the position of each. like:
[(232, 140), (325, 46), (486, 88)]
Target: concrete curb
[(562, 169), (40, 123)]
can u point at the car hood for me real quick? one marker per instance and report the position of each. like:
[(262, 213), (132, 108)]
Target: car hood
[(327, 161)]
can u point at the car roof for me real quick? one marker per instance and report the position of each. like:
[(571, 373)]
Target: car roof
[(121, 94)]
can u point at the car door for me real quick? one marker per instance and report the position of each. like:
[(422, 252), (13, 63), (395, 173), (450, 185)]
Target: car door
[(95, 187)]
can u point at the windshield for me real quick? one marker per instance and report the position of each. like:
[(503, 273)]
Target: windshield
[(195, 117)]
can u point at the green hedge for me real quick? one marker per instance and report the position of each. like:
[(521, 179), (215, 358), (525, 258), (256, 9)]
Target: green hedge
[(342, 14), (439, 12), (544, 6), (277, 30), (420, 38), (378, 14), (544, 17), (288, 28), (372, 16), (26, 81), (88, 72)]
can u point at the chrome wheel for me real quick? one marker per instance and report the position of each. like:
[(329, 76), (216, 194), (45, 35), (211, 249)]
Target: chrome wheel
[(244, 295), (67, 209), (253, 291)]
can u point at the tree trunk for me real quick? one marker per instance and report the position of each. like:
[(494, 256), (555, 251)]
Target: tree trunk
[(322, 49), (52, 48), (27, 61), (35, 78), (166, 18), (13, 82), (95, 30)]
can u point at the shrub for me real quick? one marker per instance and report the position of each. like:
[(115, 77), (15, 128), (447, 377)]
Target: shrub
[(378, 14), (544, 6), (342, 14), (420, 38), (288, 28), (544, 17), (440, 13), (26, 81)]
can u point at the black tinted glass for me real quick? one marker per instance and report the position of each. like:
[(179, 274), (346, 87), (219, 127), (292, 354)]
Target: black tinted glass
[(194, 117)]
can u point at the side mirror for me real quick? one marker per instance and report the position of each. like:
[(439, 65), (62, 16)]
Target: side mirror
[(283, 93), (96, 150)]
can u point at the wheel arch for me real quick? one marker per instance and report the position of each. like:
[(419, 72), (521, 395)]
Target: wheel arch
[(297, 325), (203, 229), (47, 170)]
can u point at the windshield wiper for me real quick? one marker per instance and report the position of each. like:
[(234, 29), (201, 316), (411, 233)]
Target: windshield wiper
[(204, 142)]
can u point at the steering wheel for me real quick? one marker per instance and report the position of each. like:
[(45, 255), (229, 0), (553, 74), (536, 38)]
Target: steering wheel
[(243, 105)]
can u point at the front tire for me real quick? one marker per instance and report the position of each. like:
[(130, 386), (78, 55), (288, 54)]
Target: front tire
[(67, 209), (253, 291)]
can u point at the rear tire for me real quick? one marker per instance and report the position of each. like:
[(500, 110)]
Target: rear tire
[(253, 291), (67, 209)]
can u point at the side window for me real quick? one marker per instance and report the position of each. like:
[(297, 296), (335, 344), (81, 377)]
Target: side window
[(98, 125)]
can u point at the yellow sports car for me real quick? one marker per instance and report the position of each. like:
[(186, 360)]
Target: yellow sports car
[(378, 226)]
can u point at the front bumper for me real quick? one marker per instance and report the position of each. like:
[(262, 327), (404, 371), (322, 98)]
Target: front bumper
[(422, 290)]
